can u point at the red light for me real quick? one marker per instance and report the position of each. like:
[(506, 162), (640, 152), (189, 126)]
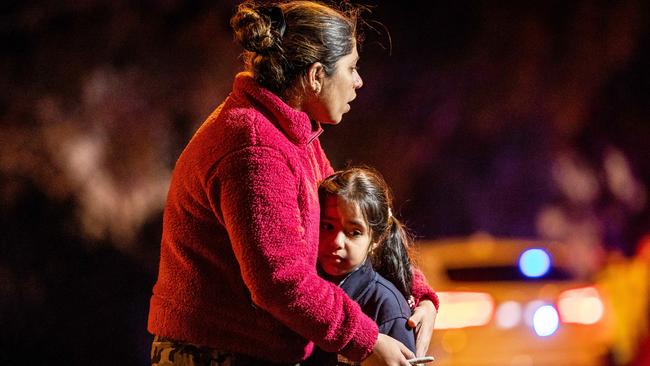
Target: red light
[(581, 306), (464, 309)]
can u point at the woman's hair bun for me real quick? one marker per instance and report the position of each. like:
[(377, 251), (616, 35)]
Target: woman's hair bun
[(253, 30), (282, 38)]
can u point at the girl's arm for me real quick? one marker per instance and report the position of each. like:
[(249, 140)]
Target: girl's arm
[(398, 329)]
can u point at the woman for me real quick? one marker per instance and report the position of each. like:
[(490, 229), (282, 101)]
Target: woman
[(237, 282)]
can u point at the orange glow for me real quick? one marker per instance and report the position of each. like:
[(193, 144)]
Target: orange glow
[(581, 305), (464, 309)]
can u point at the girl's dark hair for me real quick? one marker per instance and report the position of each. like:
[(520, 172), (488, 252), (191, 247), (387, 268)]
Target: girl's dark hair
[(282, 40), (365, 187)]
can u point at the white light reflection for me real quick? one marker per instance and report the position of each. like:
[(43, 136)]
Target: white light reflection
[(545, 321), (508, 314)]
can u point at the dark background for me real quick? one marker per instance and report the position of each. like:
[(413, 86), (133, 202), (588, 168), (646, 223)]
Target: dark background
[(512, 118)]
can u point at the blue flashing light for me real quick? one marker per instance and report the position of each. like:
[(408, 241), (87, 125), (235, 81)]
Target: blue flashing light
[(546, 321), (534, 262)]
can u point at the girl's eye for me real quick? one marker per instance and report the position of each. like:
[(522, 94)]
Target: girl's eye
[(355, 233), (326, 226)]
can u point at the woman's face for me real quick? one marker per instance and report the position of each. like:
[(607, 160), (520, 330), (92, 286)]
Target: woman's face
[(337, 91), (345, 237)]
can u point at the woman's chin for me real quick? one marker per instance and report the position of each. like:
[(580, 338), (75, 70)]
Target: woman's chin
[(333, 120)]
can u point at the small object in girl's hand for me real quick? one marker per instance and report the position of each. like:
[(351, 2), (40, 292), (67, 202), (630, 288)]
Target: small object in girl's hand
[(420, 360)]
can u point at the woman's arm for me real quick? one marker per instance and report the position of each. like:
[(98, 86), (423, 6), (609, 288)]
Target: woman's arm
[(420, 289), (423, 320), (424, 315)]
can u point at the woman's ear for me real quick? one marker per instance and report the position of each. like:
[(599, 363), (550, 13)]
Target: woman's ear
[(315, 76)]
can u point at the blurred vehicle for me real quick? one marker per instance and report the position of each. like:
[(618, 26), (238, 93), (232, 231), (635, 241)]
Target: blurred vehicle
[(514, 302), (627, 282)]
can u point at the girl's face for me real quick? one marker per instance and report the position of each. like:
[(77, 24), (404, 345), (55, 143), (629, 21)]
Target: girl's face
[(345, 237), (337, 91)]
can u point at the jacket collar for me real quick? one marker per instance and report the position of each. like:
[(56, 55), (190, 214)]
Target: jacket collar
[(294, 123), (356, 283)]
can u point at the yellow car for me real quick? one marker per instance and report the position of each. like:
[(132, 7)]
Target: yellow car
[(515, 303)]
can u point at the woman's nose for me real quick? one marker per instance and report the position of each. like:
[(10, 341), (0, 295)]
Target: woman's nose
[(358, 82)]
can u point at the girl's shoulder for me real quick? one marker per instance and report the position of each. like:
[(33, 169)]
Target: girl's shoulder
[(389, 292), (382, 301), (377, 296)]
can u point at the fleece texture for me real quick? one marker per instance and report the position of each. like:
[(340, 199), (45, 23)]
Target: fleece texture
[(240, 234)]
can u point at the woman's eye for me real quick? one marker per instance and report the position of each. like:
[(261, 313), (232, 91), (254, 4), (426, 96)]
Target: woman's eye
[(355, 233), (325, 226)]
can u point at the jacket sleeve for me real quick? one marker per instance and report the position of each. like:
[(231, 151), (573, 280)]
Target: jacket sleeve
[(258, 196), (421, 290), (398, 329)]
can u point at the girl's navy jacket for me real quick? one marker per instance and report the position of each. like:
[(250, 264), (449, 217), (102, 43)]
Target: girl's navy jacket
[(381, 301)]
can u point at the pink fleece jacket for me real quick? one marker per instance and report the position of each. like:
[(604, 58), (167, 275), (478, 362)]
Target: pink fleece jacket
[(240, 234)]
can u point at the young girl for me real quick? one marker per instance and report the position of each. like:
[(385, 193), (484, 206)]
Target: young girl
[(364, 249)]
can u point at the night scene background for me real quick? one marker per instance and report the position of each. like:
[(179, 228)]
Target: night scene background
[(527, 119)]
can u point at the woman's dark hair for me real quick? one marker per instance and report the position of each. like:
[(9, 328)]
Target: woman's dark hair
[(365, 187), (282, 40)]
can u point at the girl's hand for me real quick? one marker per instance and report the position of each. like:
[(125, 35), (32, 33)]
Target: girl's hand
[(388, 351), (422, 320)]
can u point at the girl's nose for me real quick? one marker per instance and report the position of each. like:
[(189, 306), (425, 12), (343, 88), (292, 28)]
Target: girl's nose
[(339, 240)]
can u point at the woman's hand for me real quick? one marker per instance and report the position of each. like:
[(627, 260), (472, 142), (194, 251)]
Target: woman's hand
[(422, 320), (388, 351)]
